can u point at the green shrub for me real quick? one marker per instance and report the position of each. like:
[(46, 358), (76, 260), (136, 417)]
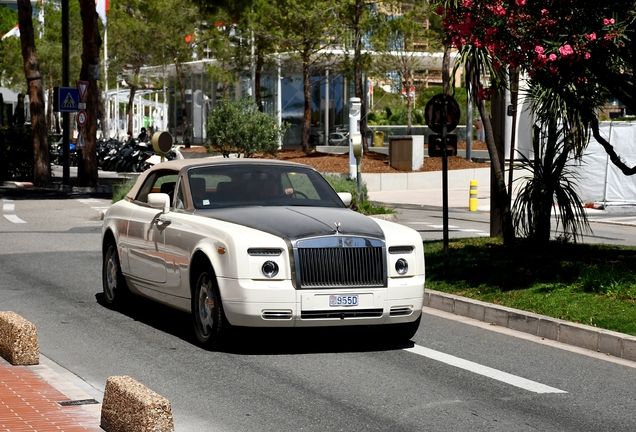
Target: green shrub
[(121, 189), (239, 127), (341, 184)]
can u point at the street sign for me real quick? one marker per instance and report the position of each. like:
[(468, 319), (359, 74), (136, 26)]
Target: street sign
[(436, 145), (82, 87), (67, 99), (81, 142), (434, 113), (81, 118)]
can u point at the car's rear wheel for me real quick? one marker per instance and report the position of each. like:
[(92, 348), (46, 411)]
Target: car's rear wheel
[(113, 282), (210, 324)]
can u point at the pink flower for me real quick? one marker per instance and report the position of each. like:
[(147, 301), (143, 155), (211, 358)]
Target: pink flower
[(608, 21), (587, 55), (552, 57), (468, 3), (521, 2), (566, 50), (591, 36), (539, 49), (544, 11)]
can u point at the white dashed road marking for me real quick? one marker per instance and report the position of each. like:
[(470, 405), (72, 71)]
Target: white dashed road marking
[(486, 371), (94, 203), (9, 207), (13, 218)]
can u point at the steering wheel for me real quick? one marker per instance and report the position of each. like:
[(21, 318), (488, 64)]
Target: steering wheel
[(299, 193)]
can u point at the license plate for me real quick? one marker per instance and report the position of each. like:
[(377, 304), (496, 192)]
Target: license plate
[(343, 300)]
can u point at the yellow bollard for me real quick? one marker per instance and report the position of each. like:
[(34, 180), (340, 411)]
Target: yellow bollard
[(472, 200)]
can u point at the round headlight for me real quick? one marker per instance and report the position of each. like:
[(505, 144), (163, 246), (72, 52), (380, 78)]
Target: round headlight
[(401, 266), (269, 269)]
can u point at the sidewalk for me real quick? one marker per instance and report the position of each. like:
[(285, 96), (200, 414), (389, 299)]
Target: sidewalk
[(36, 398)]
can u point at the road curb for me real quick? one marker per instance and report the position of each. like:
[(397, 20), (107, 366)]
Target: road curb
[(583, 336)]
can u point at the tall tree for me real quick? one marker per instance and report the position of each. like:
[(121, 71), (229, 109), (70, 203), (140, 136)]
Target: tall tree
[(172, 21), (92, 43), (42, 167), (304, 28), (400, 32), (131, 41), (356, 16), (574, 49)]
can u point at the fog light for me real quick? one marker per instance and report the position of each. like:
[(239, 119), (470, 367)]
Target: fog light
[(269, 269), (401, 266)]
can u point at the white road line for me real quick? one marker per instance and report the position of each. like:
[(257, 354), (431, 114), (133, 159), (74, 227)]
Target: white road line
[(7, 205), (442, 226), (88, 200), (13, 218), (486, 371)]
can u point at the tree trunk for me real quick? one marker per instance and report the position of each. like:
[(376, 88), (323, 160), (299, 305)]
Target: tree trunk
[(184, 111), (131, 110), (496, 165), (92, 43), (307, 108), (260, 61), (41, 163), (357, 71)]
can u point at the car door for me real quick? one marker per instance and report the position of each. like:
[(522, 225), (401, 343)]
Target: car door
[(146, 238)]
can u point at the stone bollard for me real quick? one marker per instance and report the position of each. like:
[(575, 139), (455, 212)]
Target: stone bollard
[(18, 340), (132, 407)]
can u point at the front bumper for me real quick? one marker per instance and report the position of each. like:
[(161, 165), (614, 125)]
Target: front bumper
[(251, 303)]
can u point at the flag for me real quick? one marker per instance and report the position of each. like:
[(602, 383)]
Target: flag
[(102, 9), (15, 31)]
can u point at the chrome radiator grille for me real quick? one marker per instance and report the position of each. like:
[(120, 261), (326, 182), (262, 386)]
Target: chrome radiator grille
[(348, 264)]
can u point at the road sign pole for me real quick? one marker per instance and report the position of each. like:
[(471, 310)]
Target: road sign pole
[(445, 183), (66, 120)]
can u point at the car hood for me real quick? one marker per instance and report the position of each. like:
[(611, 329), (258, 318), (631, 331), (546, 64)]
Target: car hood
[(295, 222)]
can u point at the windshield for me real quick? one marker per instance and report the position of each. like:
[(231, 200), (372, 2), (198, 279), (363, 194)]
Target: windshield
[(259, 185)]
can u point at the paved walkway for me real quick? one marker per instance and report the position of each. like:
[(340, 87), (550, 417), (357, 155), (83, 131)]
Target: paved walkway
[(28, 402)]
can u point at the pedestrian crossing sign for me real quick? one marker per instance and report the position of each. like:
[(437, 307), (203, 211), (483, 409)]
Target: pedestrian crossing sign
[(66, 99)]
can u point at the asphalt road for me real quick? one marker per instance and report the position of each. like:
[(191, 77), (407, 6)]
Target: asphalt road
[(618, 228), (456, 375)]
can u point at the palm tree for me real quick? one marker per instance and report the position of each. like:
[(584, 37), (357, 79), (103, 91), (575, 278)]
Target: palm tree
[(478, 63), (560, 135)]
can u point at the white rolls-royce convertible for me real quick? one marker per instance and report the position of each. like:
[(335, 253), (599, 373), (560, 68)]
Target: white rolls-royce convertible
[(259, 243)]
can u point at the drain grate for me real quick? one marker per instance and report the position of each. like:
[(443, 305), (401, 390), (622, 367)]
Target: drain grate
[(78, 402)]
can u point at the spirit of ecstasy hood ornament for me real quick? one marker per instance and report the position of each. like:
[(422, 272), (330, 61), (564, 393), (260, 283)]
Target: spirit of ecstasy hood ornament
[(337, 230)]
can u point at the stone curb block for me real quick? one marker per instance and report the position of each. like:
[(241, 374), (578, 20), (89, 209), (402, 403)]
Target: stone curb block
[(18, 340), (132, 407), (580, 335)]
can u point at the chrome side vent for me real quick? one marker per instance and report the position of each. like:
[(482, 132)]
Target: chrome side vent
[(277, 315), (264, 251), (401, 249), (401, 311)]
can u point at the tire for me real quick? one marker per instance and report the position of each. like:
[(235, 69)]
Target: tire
[(210, 324), (113, 282)]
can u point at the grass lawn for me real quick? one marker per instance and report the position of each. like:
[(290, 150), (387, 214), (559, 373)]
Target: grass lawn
[(583, 283)]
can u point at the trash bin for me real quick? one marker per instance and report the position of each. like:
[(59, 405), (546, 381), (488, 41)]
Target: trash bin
[(378, 139), (406, 153)]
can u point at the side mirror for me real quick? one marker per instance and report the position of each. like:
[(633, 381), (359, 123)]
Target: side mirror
[(159, 201), (345, 197)]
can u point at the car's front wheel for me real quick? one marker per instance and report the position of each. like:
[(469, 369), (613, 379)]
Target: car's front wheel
[(113, 282), (402, 332), (210, 324)]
